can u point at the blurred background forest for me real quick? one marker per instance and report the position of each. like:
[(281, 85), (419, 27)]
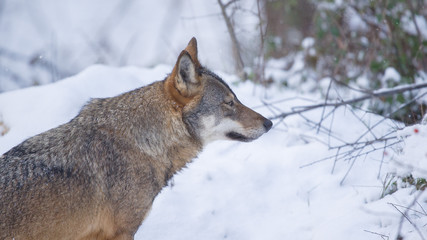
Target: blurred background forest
[(360, 46)]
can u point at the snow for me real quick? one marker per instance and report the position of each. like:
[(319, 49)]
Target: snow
[(412, 160), (277, 187), (409, 24), (354, 20), (33, 110), (307, 42), (390, 74)]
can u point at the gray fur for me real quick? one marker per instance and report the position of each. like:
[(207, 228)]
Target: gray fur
[(96, 176)]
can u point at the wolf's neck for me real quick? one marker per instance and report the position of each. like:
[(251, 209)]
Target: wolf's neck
[(164, 136), (155, 125), (170, 156)]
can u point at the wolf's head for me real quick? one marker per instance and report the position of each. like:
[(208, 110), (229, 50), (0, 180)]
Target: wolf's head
[(210, 109)]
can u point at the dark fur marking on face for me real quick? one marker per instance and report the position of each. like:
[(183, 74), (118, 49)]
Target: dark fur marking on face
[(238, 137)]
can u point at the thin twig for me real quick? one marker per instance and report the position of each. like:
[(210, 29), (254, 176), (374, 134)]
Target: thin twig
[(326, 101), (382, 161), (374, 94), (354, 158), (385, 237), (404, 215)]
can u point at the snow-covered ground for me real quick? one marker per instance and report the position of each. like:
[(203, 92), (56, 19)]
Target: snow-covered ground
[(272, 188)]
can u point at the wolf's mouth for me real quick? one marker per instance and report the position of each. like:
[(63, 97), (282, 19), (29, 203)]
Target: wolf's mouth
[(238, 137)]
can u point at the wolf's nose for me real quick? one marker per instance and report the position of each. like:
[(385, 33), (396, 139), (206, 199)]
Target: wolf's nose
[(267, 125)]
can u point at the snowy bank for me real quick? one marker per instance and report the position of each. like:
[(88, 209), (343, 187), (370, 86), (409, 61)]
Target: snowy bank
[(272, 188)]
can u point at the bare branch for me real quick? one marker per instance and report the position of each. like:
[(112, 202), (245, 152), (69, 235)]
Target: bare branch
[(374, 94), (353, 158), (229, 3), (326, 100), (261, 55), (235, 43), (385, 237), (382, 161), (405, 215)]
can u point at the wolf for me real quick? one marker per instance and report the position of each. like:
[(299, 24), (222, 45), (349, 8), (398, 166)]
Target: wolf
[(96, 176)]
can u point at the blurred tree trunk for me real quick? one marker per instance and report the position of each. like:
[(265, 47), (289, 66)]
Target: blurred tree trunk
[(238, 61), (288, 23)]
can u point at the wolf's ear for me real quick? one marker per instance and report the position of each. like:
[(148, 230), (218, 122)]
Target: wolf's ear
[(192, 50), (184, 81), (187, 81)]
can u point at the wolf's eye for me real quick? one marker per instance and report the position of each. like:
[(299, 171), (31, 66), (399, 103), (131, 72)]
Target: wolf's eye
[(230, 103)]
